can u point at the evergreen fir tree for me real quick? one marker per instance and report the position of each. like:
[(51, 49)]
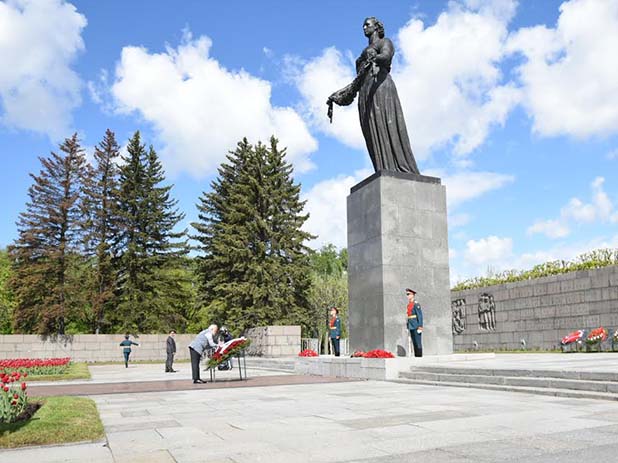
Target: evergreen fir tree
[(150, 254), (48, 250), (254, 270), (101, 208)]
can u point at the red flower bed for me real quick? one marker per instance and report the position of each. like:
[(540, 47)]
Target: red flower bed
[(50, 366), (308, 353), (13, 396), (572, 337)]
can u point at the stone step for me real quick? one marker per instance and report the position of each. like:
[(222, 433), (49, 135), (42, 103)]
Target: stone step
[(527, 390), (276, 364), (518, 381), (559, 374)]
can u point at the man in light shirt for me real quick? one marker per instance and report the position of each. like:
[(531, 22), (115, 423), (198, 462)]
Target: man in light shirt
[(202, 342)]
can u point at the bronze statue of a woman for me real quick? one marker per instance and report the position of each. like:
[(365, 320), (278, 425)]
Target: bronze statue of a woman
[(379, 108)]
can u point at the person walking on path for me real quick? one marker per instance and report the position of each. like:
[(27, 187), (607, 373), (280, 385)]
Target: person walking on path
[(204, 341), (415, 322), (334, 330), (126, 344), (170, 349)]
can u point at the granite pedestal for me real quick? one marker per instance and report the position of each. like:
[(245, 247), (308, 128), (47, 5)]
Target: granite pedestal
[(397, 238)]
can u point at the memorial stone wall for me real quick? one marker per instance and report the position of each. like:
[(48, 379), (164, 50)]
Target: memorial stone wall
[(534, 314)]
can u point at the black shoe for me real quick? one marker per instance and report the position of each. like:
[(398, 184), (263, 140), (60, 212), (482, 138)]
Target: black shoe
[(173, 371), (198, 381)]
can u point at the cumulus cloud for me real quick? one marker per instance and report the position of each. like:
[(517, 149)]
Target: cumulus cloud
[(570, 73), (468, 185), (447, 74), (326, 205), (549, 228), (490, 250), (39, 40), (599, 209), (200, 110)]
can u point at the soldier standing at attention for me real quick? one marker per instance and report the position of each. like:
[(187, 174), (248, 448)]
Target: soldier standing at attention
[(170, 349), (335, 329), (415, 322), (126, 344)]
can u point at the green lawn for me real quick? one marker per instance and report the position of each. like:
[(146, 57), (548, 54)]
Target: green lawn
[(59, 420), (76, 370)]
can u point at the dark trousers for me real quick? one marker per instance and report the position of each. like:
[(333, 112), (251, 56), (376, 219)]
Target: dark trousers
[(335, 342), (195, 364), (417, 342), (169, 361), (126, 359)]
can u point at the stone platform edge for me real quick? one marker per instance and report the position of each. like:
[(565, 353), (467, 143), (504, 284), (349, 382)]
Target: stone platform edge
[(373, 368)]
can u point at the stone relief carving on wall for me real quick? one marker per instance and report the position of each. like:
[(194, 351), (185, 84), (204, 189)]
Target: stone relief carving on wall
[(458, 309), (487, 312)]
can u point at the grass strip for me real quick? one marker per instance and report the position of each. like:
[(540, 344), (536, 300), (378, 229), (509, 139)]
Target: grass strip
[(75, 370), (58, 421)]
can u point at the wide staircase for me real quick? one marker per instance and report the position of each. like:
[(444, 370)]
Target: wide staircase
[(560, 383)]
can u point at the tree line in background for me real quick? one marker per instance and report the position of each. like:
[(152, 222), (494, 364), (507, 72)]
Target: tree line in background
[(99, 250)]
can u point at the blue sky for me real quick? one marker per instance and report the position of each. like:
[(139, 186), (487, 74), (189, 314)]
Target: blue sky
[(514, 105)]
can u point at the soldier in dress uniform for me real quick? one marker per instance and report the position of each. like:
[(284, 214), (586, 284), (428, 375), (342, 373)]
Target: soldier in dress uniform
[(334, 326), (415, 322), (126, 349)]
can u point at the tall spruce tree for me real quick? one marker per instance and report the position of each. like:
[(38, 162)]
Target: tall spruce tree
[(254, 269), (150, 254), (48, 249), (101, 209)]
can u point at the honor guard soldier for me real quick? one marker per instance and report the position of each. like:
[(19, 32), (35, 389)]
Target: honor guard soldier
[(126, 349), (415, 322), (334, 330)]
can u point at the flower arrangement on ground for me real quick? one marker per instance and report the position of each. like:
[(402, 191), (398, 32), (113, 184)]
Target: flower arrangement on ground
[(51, 366), (13, 397), (228, 350), (615, 336), (308, 353), (596, 336), (374, 354), (570, 338)]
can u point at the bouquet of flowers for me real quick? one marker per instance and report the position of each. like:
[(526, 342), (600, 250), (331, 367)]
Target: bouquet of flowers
[(572, 337), (615, 336), (597, 335), (224, 352), (308, 353), (378, 354), (373, 354)]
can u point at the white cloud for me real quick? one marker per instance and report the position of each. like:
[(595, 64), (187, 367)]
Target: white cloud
[(489, 250), (613, 154), (447, 75), (458, 220), (600, 209), (550, 228), (465, 186), (38, 42), (326, 205), (570, 73), (200, 110), (316, 80)]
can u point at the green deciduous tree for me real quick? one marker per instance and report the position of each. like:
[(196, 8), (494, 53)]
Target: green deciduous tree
[(254, 268), (329, 287)]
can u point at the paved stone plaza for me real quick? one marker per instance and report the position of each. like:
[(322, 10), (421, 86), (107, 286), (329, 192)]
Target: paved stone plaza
[(362, 421)]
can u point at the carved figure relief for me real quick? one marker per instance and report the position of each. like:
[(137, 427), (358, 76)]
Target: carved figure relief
[(458, 309), (487, 312)]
